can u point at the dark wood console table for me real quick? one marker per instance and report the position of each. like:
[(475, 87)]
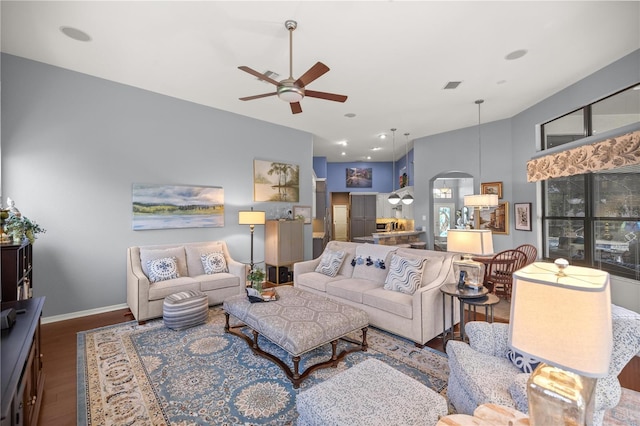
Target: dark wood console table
[(22, 375)]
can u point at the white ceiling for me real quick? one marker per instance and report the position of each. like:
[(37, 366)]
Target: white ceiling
[(392, 58)]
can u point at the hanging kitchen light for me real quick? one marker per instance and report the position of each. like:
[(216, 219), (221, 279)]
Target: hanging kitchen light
[(407, 198), (393, 197), (480, 201)]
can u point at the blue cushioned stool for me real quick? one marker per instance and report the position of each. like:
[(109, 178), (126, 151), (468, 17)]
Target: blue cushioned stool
[(185, 309)]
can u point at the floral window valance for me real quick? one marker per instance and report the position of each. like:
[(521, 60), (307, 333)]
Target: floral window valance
[(611, 153)]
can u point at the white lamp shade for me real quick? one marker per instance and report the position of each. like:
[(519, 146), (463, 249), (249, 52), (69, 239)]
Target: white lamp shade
[(394, 198), (562, 319), (470, 241), (251, 217), (407, 199), (481, 200)]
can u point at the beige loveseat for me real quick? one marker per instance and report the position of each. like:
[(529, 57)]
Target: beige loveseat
[(145, 298), (416, 316)]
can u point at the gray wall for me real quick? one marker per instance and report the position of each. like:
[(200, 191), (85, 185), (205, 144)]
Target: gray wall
[(507, 146), (72, 145)]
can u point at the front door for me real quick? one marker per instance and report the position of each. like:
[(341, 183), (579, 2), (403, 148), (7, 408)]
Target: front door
[(340, 222)]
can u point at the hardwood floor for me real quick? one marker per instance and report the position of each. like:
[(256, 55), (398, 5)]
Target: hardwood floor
[(59, 344)]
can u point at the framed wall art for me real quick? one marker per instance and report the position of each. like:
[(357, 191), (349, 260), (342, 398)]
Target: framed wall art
[(491, 188), (522, 216), (496, 219), (302, 212), (177, 206), (276, 181), (359, 177)]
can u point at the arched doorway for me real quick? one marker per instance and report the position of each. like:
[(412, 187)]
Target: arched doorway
[(447, 200)]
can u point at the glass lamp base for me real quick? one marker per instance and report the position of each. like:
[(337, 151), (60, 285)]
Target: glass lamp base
[(473, 272), (558, 397)]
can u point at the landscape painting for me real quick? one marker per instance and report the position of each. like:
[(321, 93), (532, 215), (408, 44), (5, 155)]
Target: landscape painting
[(177, 206), (274, 181), (359, 177)]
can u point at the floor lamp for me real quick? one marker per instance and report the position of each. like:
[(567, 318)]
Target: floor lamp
[(561, 316), (251, 218)]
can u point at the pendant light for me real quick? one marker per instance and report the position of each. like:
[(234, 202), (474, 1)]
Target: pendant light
[(407, 198), (393, 197), (480, 201)]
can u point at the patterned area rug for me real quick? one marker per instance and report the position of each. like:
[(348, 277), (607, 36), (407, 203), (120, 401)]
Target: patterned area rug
[(131, 374)]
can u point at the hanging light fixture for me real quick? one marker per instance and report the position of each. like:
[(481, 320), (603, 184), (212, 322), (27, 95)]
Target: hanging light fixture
[(480, 201), (407, 198), (393, 197)]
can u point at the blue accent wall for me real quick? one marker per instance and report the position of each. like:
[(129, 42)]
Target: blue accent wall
[(320, 167), (380, 173)]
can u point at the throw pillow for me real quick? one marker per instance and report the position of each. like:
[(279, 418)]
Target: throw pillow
[(330, 263), (523, 362), (214, 263), (405, 274), (162, 269)]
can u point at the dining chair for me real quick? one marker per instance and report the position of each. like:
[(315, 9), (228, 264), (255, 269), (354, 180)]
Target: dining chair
[(499, 274), (530, 251)]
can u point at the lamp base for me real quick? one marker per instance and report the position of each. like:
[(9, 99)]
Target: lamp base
[(559, 397), (473, 272)]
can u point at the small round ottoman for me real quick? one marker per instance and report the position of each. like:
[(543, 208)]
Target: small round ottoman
[(185, 309)]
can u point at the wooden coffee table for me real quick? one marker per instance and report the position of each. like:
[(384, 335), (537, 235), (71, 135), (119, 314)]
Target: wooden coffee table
[(298, 322)]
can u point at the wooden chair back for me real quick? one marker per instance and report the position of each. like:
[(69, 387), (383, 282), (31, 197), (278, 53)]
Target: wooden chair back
[(530, 251), (500, 269)]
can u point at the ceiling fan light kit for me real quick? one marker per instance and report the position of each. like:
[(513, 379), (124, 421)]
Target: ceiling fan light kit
[(291, 90)]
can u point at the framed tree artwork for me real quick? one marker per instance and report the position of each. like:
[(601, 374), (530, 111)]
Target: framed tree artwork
[(522, 216)]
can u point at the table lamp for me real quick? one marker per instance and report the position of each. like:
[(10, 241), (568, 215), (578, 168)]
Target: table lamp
[(561, 316), (469, 242), (251, 218)]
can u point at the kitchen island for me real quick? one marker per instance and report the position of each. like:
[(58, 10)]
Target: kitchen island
[(394, 238)]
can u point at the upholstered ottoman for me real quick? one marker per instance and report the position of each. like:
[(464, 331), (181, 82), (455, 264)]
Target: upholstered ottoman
[(370, 393), (185, 309)]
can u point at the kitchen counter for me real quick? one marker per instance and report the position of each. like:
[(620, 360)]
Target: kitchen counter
[(394, 238)]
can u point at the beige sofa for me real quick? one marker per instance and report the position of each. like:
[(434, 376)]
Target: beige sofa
[(145, 298), (416, 316)]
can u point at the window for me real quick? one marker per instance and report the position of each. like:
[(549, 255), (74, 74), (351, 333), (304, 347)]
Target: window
[(593, 219)]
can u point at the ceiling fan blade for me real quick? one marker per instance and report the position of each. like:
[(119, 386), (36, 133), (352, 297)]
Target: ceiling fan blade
[(258, 74), (296, 108), (264, 95), (313, 73), (324, 95)]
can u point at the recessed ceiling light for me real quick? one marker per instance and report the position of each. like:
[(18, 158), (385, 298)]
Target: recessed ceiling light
[(343, 143), (75, 34), (368, 157), (349, 115), (452, 85), (376, 148), (516, 54), (343, 153), (383, 136)]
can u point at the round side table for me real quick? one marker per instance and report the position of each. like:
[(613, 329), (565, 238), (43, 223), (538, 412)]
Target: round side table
[(488, 302), (462, 294)]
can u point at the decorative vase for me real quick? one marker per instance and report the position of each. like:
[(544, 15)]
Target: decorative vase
[(30, 236)]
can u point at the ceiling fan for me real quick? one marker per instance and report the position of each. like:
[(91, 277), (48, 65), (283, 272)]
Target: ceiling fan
[(292, 90)]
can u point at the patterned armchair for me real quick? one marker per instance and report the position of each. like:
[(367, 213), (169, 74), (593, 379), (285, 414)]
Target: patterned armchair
[(480, 371)]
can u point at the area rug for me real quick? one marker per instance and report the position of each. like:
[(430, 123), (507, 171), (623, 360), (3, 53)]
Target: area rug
[(152, 375)]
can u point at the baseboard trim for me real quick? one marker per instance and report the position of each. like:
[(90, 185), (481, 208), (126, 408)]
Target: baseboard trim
[(79, 314)]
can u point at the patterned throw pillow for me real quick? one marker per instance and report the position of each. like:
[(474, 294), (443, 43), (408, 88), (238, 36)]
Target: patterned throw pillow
[(523, 362), (405, 274), (214, 263), (162, 269), (330, 263)]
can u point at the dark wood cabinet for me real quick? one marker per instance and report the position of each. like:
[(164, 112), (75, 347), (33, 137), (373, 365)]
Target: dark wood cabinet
[(22, 374), (17, 271), (321, 199), (363, 215)]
